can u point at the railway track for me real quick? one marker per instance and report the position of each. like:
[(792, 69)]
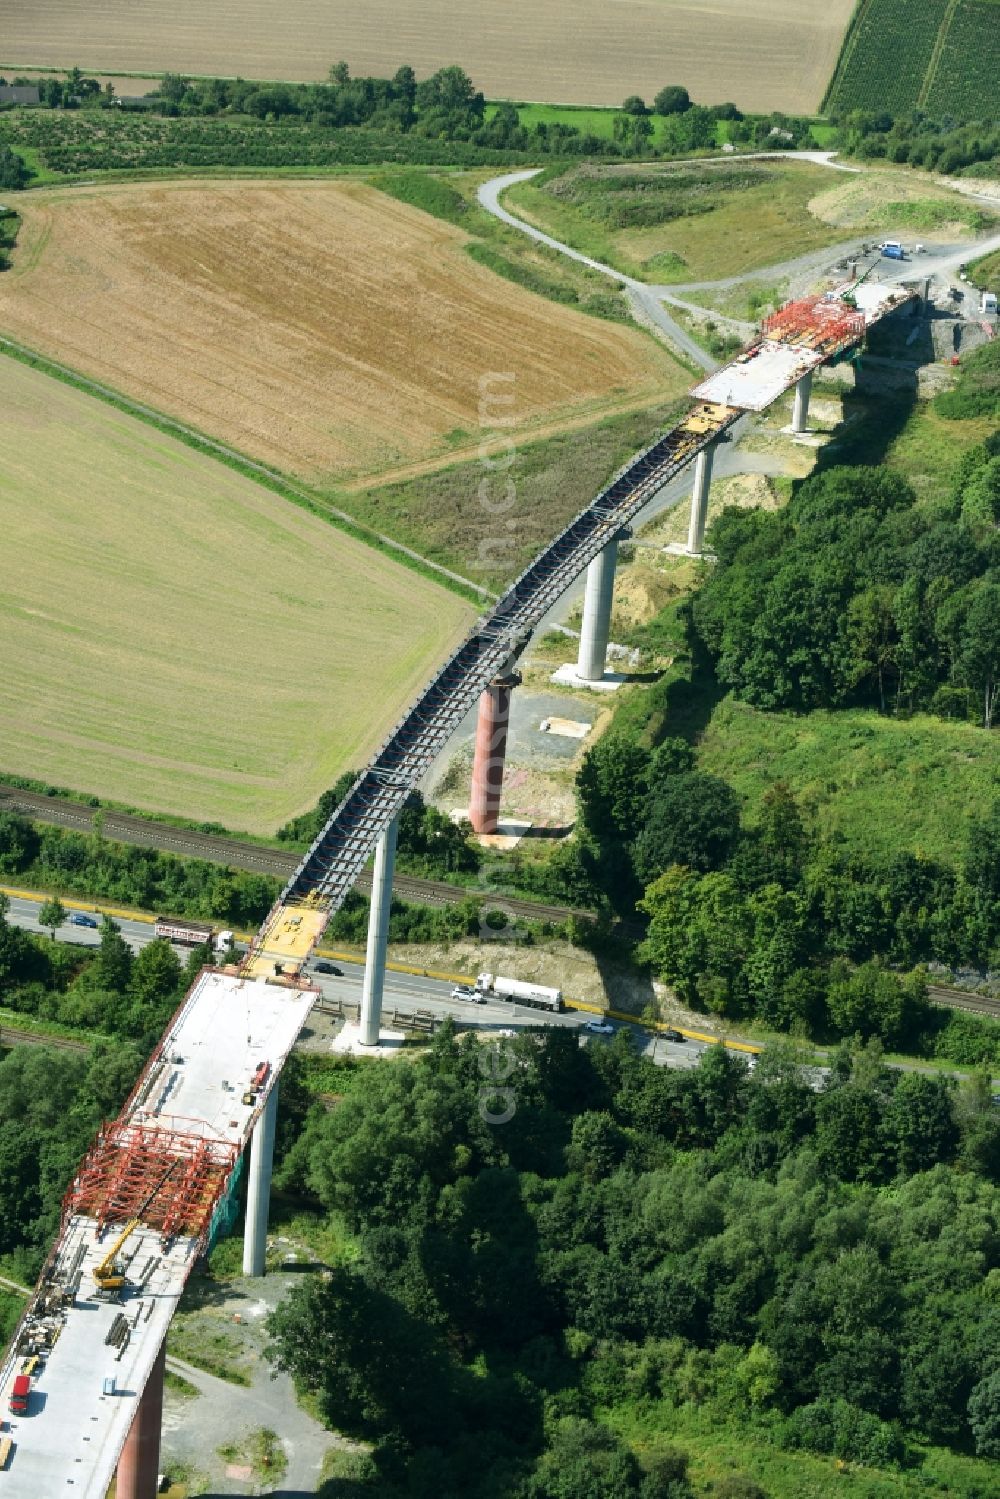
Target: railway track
[(959, 999), (258, 858), (10, 1036)]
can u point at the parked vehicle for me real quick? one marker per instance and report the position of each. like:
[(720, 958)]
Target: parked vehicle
[(892, 250), (539, 996), (192, 933), (80, 918), (988, 302), (19, 1392)]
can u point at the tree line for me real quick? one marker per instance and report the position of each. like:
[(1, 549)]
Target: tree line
[(531, 1309)]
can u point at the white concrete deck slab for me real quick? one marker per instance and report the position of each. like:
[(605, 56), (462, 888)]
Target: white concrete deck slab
[(227, 1026), (69, 1441), (755, 381)]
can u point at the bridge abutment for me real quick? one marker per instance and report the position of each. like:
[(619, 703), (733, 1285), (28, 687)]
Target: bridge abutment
[(259, 1187), (139, 1464), (378, 934), (491, 752)]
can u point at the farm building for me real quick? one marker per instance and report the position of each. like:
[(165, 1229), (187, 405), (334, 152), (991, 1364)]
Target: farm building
[(11, 93)]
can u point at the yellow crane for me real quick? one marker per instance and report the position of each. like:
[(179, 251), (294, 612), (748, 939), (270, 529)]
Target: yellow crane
[(110, 1274)]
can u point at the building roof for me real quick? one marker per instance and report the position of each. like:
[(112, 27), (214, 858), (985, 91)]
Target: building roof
[(18, 93)]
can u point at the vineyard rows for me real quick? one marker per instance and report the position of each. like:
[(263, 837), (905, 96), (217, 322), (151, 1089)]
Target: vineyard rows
[(887, 54), (74, 143), (896, 51), (966, 80)]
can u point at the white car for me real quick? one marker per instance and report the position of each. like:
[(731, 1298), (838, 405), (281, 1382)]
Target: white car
[(506, 1031), (464, 991), (600, 1027)]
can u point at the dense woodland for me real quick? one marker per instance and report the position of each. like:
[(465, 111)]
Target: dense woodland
[(634, 1253)]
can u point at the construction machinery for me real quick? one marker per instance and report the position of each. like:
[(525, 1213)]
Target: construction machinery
[(110, 1273)]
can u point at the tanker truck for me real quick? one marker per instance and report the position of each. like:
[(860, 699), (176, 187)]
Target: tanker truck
[(495, 986)]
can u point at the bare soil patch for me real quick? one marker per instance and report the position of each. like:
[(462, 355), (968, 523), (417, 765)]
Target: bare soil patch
[(762, 54), (322, 327)]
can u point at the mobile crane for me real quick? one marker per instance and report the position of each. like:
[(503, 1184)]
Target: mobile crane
[(110, 1273)]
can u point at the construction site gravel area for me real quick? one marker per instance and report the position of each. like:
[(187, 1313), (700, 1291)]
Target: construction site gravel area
[(321, 327), (762, 54)]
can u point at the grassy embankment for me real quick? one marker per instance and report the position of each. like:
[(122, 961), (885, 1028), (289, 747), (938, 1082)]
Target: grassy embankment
[(883, 784), (685, 223), (682, 223)]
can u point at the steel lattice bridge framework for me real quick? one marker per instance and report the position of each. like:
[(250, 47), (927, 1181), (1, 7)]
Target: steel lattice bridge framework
[(331, 867)]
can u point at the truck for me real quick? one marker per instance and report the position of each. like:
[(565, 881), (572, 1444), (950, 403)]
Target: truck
[(988, 302), (538, 996), (191, 933), (19, 1392), (260, 1076)]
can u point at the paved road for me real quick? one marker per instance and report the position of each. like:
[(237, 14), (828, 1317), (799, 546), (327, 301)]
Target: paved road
[(645, 302), (647, 299), (403, 991)]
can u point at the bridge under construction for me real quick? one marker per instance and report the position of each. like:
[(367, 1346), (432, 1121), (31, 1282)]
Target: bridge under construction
[(159, 1183)]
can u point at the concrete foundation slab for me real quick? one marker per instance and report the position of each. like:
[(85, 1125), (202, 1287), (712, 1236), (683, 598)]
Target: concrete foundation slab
[(348, 1042), (678, 549), (568, 676), (566, 728)]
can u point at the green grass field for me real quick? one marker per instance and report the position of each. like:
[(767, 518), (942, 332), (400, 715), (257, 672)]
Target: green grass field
[(444, 514), (179, 638), (766, 222), (985, 273), (885, 784)]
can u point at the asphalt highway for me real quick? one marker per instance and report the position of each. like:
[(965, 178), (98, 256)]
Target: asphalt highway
[(404, 991)]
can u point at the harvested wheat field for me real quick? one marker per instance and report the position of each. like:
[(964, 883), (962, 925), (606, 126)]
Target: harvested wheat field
[(324, 328), (180, 639), (762, 54)]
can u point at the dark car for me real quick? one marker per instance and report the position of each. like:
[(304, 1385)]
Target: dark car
[(329, 968), (80, 918), (674, 1036)]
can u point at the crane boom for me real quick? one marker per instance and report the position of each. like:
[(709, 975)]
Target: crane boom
[(109, 1274)]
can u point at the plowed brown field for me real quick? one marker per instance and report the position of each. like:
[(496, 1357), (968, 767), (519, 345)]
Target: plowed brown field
[(321, 327), (763, 54)]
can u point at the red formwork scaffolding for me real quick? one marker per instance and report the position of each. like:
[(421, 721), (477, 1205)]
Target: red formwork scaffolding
[(171, 1178), (823, 324)]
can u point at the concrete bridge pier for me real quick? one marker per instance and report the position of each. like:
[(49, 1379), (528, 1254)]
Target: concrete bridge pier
[(491, 751), (139, 1463), (597, 603), (259, 1187), (378, 934), (699, 500), (800, 410)]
